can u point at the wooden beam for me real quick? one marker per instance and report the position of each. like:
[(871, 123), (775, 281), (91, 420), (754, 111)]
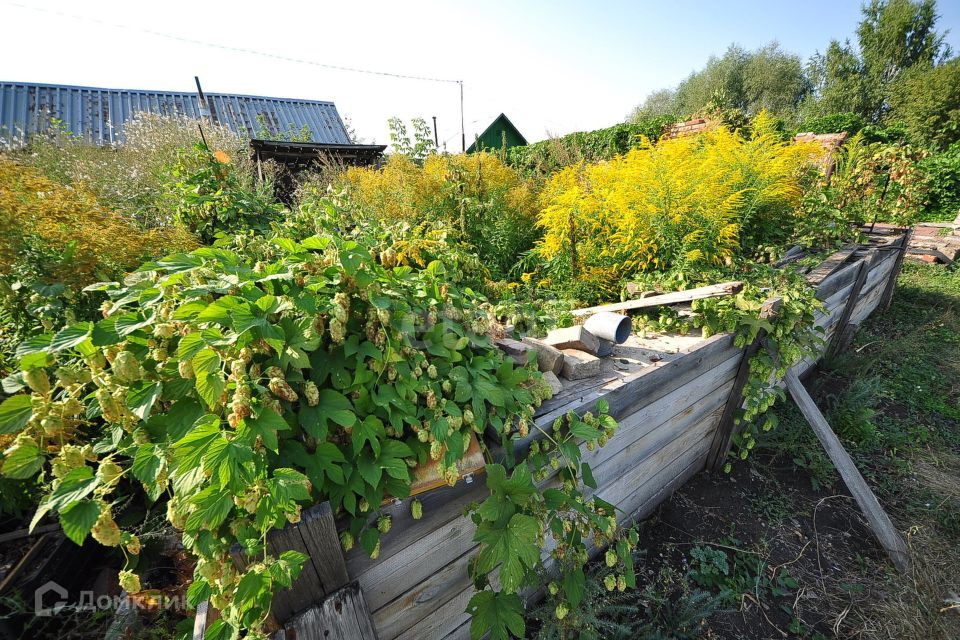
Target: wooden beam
[(887, 297), (723, 436), (843, 332), (831, 264), (878, 519), (710, 291)]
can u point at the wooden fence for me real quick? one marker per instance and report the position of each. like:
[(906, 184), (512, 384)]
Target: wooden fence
[(674, 411)]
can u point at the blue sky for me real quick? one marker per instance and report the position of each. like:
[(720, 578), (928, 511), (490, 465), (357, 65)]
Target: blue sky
[(553, 67)]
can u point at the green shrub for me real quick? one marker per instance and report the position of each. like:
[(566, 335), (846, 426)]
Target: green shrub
[(130, 178), (543, 158), (206, 195), (943, 182), (850, 123)]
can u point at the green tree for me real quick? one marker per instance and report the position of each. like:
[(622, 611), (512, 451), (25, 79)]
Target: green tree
[(894, 36), (837, 81), (767, 78), (416, 148), (927, 101)]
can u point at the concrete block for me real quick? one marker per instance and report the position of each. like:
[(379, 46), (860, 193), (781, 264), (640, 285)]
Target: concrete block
[(548, 358), (573, 338), (578, 365)]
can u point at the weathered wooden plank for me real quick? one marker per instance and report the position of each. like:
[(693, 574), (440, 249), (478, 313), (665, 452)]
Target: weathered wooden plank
[(206, 615), (619, 491), (878, 519), (704, 390), (425, 598), (440, 506), (318, 529), (710, 291), (443, 621), (648, 445), (838, 280), (324, 571), (902, 245), (629, 393), (831, 264), (839, 340), (723, 436), (688, 464), (386, 581), (343, 615), (460, 633), (879, 271)]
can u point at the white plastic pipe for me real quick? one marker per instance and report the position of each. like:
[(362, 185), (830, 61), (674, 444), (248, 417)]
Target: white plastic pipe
[(609, 326)]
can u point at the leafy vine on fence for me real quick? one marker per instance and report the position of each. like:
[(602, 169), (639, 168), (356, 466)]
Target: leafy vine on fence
[(231, 389)]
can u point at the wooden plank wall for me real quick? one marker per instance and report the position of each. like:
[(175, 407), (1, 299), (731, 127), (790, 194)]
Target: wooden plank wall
[(419, 586)]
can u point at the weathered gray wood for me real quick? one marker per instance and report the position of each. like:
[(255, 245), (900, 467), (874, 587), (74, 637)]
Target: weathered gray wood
[(205, 616), (426, 597), (836, 281), (440, 507), (878, 519), (710, 291), (723, 436), (318, 529), (831, 264), (840, 336), (637, 452), (628, 393), (443, 621), (887, 296), (342, 615), (324, 571), (389, 580)]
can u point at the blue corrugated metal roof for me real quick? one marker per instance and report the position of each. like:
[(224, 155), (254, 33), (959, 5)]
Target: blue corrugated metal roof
[(98, 114)]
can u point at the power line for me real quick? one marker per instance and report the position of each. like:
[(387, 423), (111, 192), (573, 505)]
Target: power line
[(223, 47)]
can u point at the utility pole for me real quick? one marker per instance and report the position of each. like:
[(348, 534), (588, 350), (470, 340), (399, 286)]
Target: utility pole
[(463, 133), (436, 140)]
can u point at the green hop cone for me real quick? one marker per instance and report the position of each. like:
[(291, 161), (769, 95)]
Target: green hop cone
[(610, 582), (129, 582), (416, 509), (611, 558)]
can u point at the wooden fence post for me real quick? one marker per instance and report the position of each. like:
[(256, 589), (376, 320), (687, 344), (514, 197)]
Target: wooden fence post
[(887, 296), (321, 599), (844, 331), (723, 436)]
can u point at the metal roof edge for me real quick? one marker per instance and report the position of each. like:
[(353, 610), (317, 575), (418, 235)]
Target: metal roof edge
[(163, 91)]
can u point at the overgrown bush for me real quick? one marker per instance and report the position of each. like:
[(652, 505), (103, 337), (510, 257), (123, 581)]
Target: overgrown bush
[(475, 198), (543, 158), (130, 178), (205, 194), (54, 240), (942, 172), (687, 202), (850, 123)]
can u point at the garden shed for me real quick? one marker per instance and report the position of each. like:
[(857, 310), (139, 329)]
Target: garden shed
[(500, 134)]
